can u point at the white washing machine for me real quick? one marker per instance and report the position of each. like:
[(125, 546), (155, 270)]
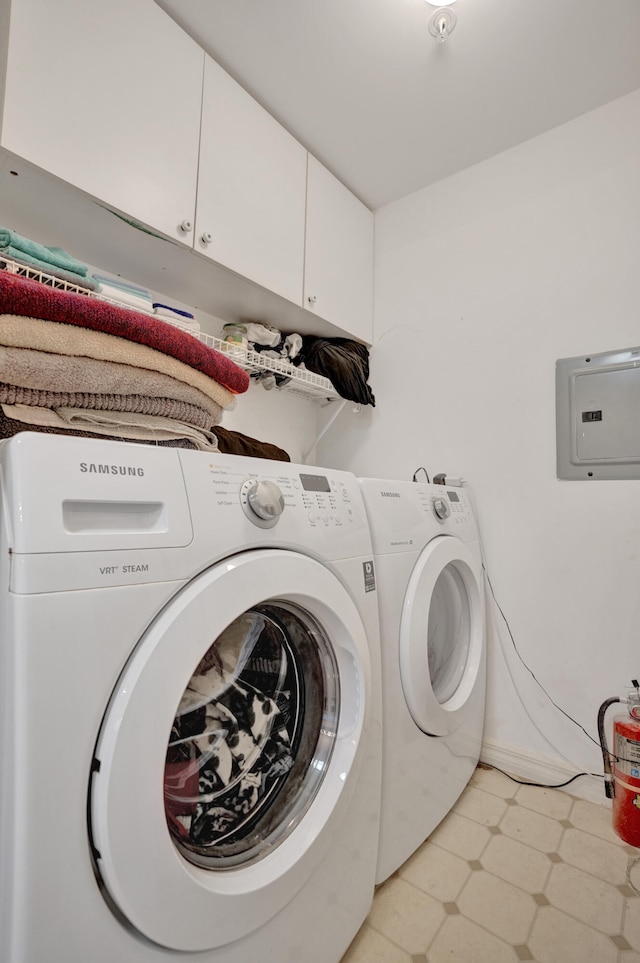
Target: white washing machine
[(433, 644), (190, 712)]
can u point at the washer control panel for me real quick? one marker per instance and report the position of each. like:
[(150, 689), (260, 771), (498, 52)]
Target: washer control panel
[(318, 500)]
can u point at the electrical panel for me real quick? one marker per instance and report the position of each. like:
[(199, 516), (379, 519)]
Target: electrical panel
[(598, 415)]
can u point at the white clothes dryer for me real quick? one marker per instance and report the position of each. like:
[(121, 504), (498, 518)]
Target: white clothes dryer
[(433, 644), (190, 708)]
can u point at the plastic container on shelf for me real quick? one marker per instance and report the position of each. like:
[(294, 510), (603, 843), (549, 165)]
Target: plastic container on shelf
[(234, 339)]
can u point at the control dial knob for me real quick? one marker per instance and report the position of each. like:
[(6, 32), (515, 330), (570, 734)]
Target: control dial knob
[(441, 508), (265, 499)]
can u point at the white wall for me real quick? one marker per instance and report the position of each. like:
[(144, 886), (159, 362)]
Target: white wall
[(482, 281)]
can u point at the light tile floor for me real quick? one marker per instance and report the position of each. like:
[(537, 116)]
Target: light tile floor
[(513, 873)]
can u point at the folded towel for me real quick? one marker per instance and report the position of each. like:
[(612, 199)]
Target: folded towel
[(167, 311), (119, 283), (182, 319), (92, 401), (122, 295), (192, 328), (32, 300), (31, 250), (9, 427), (121, 425), (45, 371), (23, 261), (78, 342), (235, 443)]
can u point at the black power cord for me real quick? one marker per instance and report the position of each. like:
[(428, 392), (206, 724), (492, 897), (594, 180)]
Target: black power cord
[(542, 785), (420, 469), (542, 688), (530, 671)]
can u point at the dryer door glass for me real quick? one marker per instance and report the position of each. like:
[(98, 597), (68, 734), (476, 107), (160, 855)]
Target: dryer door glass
[(448, 633), (252, 737)]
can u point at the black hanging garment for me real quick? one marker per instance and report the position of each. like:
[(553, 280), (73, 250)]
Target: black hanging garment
[(344, 362)]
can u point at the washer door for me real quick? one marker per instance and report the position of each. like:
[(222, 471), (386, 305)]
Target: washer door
[(229, 751), (442, 635)]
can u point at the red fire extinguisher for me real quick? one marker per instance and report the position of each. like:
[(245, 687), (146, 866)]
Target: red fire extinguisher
[(622, 766)]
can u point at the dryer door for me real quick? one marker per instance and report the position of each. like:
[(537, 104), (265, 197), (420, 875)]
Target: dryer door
[(442, 635), (230, 748)]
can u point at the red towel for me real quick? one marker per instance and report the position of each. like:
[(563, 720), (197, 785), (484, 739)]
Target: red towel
[(30, 299)]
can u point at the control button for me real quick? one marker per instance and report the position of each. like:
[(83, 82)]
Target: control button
[(441, 508), (262, 502), (265, 499)]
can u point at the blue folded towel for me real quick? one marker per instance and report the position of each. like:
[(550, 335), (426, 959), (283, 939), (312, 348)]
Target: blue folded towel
[(21, 249)]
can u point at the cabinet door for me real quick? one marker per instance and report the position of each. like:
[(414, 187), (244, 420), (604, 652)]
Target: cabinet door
[(106, 96), (338, 272), (251, 188)]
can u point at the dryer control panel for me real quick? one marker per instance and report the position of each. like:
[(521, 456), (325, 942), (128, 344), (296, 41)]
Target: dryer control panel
[(404, 516)]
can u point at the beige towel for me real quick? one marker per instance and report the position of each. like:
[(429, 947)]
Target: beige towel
[(160, 407), (122, 424), (57, 338), (46, 371)]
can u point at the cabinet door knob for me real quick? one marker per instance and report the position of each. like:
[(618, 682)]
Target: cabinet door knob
[(186, 226), (207, 237), (312, 298)]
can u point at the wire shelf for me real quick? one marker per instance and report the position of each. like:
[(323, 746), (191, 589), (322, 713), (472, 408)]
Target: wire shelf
[(299, 381), (34, 274)]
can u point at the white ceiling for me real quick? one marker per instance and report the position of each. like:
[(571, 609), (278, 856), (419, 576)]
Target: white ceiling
[(365, 87)]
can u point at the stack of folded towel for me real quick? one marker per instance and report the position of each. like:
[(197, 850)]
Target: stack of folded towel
[(133, 296), (75, 364), (49, 260), (114, 289)]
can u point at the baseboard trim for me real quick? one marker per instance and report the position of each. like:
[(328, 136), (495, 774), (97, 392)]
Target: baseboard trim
[(538, 768)]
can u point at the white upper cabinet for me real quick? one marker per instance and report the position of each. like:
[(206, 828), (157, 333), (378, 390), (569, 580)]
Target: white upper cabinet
[(106, 96), (338, 273), (117, 100), (250, 211)]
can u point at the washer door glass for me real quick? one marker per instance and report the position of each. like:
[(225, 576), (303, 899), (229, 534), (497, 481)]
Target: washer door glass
[(442, 635), (252, 737), (448, 633)]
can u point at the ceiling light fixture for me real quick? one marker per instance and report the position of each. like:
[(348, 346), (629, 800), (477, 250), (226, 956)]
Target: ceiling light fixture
[(442, 22)]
